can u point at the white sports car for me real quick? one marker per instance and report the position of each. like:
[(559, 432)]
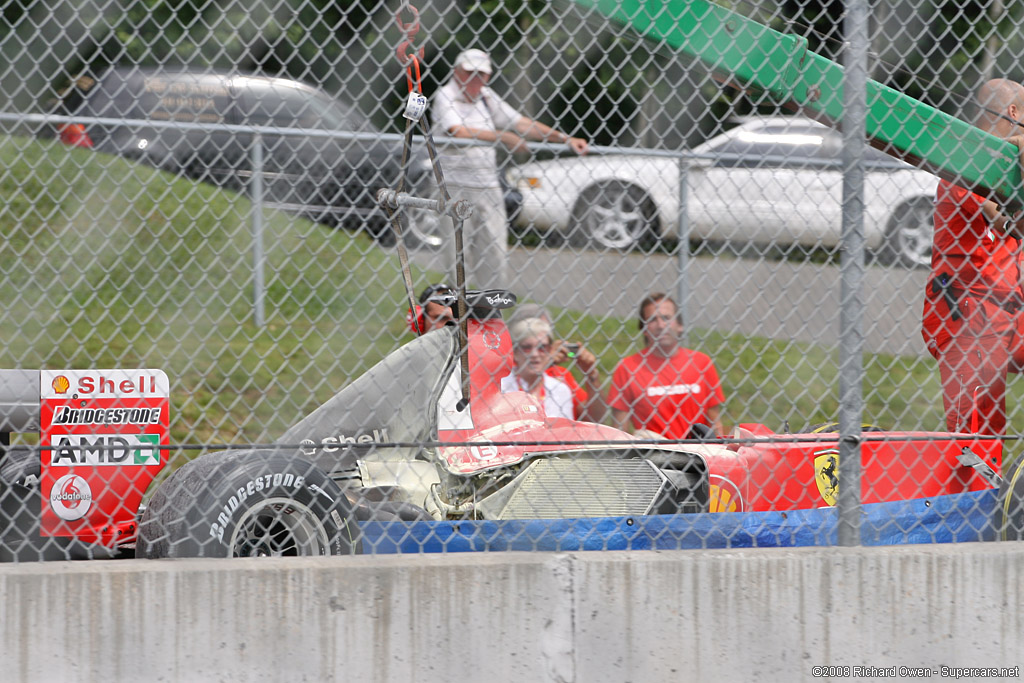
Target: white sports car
[(768, 181)]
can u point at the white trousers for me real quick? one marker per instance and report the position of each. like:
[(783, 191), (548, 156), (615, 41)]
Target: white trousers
[(484, 238)]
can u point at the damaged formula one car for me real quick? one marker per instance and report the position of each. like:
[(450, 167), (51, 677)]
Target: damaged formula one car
[(402, 445)]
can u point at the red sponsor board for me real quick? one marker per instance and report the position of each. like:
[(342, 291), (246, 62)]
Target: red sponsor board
[(101, 431)]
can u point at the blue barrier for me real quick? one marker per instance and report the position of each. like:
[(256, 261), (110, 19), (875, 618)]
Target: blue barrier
[(944, 519)]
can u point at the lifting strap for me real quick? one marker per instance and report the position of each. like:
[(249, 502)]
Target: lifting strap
[(393, 200)]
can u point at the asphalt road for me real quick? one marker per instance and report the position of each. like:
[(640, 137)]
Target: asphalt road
[(775, 299)]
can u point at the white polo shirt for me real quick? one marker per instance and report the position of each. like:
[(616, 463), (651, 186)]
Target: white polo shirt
[(557, 394), (475, 166)]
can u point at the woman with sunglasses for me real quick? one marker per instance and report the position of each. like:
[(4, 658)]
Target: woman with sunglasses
[(562, 396)]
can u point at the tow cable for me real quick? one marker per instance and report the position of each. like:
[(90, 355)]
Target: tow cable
[(393, 200)]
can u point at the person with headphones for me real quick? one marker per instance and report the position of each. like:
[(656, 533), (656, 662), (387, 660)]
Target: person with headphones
[(666, 388), (434, 310)]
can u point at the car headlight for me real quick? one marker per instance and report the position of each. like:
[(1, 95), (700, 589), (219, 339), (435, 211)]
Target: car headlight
[(528, 182)]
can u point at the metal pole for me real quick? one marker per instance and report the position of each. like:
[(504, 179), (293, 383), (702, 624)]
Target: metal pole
[(257, 229), (851, 295), (683, 248)]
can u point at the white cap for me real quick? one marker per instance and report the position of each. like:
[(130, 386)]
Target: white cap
[(474, 60)]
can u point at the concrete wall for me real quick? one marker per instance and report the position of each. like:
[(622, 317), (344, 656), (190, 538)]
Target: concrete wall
[(744, 615)]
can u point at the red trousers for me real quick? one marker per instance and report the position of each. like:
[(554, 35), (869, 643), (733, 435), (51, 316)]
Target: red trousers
[(974, 358), (973, 372)]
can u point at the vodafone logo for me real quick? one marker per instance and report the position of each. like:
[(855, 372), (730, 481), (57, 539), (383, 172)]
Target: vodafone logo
[(71, 497)]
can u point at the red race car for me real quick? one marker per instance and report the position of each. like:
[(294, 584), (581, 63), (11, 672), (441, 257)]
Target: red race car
[(411, 457)]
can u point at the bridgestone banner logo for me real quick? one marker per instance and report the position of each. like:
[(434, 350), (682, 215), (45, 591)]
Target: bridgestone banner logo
[(105, 449), (110, 416)]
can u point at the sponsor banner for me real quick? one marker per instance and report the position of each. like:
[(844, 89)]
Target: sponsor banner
[(331, 444), (104, 449), (101, 432), (71, 497), (103, 384)]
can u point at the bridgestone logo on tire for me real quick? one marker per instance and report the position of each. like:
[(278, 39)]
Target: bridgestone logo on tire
[(252, 487)]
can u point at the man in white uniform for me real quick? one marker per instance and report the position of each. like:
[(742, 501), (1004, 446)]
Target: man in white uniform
[(466, 108)]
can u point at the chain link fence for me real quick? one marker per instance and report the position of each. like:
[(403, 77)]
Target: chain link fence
[(192, 190)]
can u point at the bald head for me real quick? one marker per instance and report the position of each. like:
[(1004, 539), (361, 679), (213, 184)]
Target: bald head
[(1001, 107)]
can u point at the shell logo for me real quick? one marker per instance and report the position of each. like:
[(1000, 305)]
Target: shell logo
[(724, 496), (61, 384)]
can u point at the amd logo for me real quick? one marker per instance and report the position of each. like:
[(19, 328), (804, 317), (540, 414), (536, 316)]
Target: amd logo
[(104, 449)]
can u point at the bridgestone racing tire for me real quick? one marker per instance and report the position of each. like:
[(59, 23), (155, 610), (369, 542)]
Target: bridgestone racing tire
[(249, 504), (1010, 513)]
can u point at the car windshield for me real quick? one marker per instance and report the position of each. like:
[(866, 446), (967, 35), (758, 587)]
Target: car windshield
[(394, 400), (288, 105)]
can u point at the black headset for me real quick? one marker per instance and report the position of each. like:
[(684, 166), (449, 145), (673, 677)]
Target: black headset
[(440, 293)]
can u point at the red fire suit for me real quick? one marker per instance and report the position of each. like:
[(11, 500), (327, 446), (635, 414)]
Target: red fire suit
[(971, 310)]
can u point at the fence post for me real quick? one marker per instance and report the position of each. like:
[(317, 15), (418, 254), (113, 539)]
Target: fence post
[(851, 295), (683, 247), (256, 187)]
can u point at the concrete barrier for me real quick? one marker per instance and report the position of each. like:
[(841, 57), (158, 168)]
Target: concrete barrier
[(719, 615)]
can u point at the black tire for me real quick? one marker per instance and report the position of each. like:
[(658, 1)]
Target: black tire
[(612, 215), (1010, 513), (247, 504), (908, 237)]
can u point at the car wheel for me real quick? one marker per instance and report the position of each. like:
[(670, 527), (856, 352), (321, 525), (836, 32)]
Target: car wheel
[(612, 215), (249, 504), (908, 238), (1010, 510)]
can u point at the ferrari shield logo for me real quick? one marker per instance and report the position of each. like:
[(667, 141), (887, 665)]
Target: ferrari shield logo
[(826, 475)]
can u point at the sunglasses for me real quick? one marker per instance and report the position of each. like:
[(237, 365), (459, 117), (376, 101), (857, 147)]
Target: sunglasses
[(1004, 116), (530, 348)]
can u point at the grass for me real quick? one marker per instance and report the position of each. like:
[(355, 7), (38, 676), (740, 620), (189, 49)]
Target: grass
[(110, 264)]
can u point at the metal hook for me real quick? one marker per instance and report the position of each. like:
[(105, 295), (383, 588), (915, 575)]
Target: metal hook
[(404, 58), (410, 30), (413, 27)]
